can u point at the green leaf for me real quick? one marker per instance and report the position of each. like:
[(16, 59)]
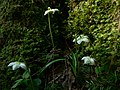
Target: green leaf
[(97, 70), (74, 62), (26, 74), (47, 65), (17, 83), (37, 82)]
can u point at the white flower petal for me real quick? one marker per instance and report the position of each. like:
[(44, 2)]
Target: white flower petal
[(11, 64), (54, 10), (46, 12), (85, 57), (22, 65), (78, 38), (50, 10), (79, 41), (88, 60), (73, 40), (92, 61), (16, 66), (85, 40)]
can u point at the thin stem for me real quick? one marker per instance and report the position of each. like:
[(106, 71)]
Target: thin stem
[(31, 80), (76, 42), (52, 43), (29, 74), (50, 30)]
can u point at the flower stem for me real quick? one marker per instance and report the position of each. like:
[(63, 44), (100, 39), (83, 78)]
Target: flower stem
[(31, 81), (50, 31), (29, 74)]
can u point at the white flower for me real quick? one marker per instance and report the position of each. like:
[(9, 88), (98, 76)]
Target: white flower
[(88, 60), (81, 39), (50, 10), (16, 65)]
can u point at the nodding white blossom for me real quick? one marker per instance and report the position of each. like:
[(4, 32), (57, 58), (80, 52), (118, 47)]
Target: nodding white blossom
[(16, 65), (88, 60), (81, 39), (50, 10)]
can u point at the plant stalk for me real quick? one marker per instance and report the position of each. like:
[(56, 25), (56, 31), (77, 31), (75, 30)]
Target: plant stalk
[(30, 75), (31, 82), (50, 31)]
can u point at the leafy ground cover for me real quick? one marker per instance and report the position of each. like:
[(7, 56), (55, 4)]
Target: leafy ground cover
[(59, 45)]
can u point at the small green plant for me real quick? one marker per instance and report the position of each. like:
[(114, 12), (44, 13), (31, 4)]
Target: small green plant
[(75, 56), (27, 81), (74, 63), (25, 77), (48, 12), (75, 60)]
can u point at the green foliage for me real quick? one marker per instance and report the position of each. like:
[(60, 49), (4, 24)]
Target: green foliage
[(23, 12), (26, 82), (24, 29), (24, 36), (96, 18), (48, 64), (74, 63), (54, 86)]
